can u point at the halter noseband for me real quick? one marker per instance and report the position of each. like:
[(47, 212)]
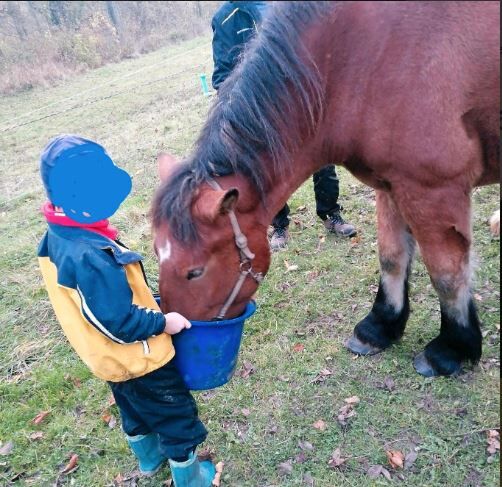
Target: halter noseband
[(245, 255)]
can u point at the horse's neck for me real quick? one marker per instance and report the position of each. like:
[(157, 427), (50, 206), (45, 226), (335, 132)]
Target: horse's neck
[(282, 186)]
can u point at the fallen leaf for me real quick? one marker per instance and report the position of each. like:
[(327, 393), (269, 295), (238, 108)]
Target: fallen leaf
[(300, 458), (7, 448), (72, 465), (389, 383), (395, 458), (352, 400), (322, 376), (204, 455), (347, 411), (308, 480), (246, 370), (37, 435), (354, 241), (305, 445), (246, 412), (111, 401), (219, 470), (40, 417), (410, 458), (106, 417), (374, 471), (290, 267), (386, 473), (336, 459), (478, 297), (298, 347), (493, 442), (320, 425), (286, 467), (112, 423)]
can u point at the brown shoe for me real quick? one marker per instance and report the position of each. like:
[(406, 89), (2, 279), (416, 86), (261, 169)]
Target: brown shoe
[(336, 224), (279, 239)]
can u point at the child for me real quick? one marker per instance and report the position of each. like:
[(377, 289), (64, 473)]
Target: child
[(99, 293)]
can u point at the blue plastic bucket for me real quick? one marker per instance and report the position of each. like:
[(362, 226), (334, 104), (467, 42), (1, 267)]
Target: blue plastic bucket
[(206, 353)]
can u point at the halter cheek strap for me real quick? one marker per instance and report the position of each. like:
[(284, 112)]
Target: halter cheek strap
[(245, 255)]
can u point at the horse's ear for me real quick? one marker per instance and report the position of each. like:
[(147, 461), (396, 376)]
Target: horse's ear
[(166, 164), (215, 203)]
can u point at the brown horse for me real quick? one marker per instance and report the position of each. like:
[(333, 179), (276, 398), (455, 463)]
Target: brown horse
[(406, 94)]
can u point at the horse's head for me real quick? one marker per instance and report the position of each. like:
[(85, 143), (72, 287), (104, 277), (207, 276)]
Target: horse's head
[(197, 277)]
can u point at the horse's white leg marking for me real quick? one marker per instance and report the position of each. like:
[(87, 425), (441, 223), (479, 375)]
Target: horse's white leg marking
[(458, 297), (165, 251), (394, 287), (394, 281)]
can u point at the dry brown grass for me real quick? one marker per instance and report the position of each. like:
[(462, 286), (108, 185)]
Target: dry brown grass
[(42, 43)]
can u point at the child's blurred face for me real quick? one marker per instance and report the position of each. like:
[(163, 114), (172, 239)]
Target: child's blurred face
[(81, 179)]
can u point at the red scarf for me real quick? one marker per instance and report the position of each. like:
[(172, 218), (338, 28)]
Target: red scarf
[(102, 227)]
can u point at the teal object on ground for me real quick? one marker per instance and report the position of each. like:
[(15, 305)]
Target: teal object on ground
[(206, 353), (203, 81), (192, 473), (146, 448)]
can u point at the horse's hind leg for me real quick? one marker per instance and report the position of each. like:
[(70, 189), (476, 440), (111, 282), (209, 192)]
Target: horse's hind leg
[(387, 319), (442, 227)]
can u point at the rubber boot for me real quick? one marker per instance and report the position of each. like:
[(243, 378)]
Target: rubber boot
[(192, 473), (146, 448)]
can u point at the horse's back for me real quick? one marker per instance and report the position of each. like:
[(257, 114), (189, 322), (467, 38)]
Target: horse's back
[(413, 77)]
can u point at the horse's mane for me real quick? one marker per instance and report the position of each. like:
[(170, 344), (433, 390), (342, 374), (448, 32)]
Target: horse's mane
[(267, 107)]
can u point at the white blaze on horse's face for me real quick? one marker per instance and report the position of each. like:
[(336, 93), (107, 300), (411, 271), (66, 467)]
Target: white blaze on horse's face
[(165, 251)]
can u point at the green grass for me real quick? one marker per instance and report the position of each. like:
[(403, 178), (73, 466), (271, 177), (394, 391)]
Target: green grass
[(317, 306)]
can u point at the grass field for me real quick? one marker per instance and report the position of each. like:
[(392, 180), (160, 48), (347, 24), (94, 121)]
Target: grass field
[(293, 368)]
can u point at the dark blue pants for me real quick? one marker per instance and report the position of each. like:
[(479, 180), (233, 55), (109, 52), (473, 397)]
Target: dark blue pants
[(159, 402), (326, 189)]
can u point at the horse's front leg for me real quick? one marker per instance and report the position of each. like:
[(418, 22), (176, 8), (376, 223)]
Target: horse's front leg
[(386, 321)]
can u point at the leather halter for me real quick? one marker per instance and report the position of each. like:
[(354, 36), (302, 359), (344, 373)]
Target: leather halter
[(245, 255)]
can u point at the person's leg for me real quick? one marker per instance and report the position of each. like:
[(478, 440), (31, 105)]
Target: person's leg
[(326, 189), (169, 410), (281, 220), (280, 223), (143, 442)]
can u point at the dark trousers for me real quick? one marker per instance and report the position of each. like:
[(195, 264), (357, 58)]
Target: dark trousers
[(159, 402), (326, 189)]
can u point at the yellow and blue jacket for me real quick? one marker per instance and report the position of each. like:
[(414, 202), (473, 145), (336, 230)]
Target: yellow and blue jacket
[(99, 293)]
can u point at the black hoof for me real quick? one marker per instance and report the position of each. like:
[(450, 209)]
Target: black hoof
[(424, 367), (360, 348)]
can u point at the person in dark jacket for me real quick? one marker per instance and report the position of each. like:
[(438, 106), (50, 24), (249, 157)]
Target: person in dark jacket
[(234, 24), (101, 299)]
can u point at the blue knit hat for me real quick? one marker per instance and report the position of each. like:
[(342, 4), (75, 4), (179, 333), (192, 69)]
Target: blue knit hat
[(80, 177)]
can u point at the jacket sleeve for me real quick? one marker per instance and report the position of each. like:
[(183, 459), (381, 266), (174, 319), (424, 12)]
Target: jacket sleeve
[(106, 301)]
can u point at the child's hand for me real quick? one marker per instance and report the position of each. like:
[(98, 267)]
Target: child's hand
[(175, 323)]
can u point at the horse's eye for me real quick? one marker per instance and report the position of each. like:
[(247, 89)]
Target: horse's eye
[(195, 273)]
